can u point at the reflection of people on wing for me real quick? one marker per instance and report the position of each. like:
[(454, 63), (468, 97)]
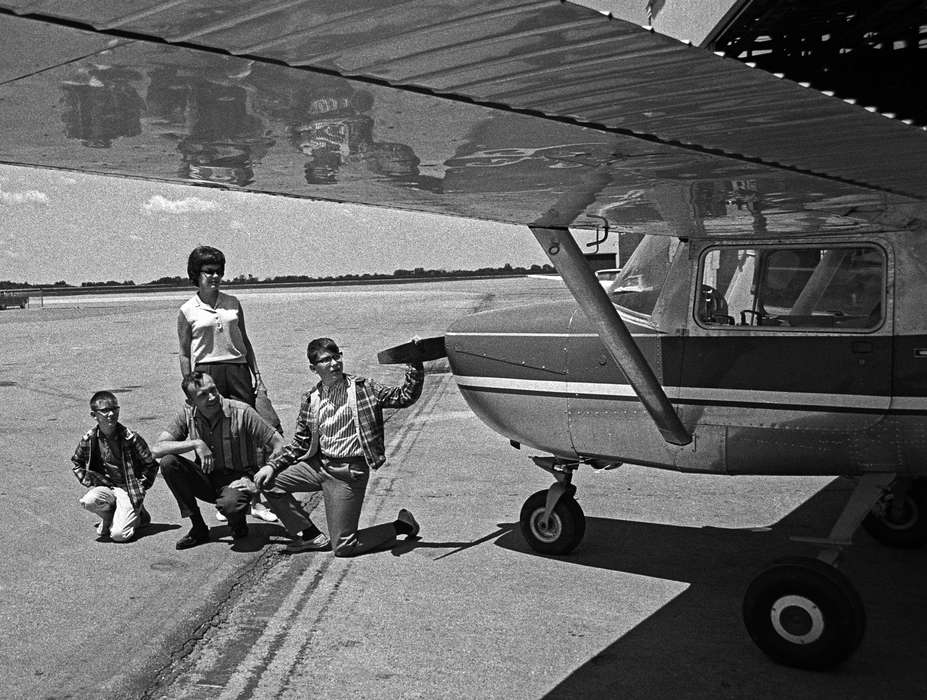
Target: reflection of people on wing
[(338, 440), (118, 467), (100, 105), (229, 439), (213, 340), (218, 138), (330, 127)]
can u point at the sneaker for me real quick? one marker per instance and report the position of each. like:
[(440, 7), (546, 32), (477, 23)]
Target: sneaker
[(317, 544), (192, 539), (262, 512), (221, 518), (406, 517)]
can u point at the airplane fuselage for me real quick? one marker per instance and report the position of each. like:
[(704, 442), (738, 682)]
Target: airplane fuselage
[(821, 392)]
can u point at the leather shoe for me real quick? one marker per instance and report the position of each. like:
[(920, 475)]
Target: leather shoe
[(192, 539)]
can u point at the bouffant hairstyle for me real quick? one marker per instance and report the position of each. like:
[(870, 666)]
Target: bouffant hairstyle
[(204, 255)]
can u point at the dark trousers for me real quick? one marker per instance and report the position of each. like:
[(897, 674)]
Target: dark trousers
[(232, 379), (187, 482), (342, 483)]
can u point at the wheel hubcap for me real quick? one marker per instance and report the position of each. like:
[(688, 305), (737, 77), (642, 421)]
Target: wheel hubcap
[(546, 532), (900, 515), (797, 619)]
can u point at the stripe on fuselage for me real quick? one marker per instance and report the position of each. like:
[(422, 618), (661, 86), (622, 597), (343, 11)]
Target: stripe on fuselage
[(703, 396)]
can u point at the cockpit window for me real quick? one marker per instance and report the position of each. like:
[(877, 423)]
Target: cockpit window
[(799, 287), (639, 283)]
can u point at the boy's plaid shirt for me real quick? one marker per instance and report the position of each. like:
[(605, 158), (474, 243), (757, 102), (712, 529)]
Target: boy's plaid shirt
[(372, 398), (140, 468)]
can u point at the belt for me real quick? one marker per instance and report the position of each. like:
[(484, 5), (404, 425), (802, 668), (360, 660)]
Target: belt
[(359, 458)]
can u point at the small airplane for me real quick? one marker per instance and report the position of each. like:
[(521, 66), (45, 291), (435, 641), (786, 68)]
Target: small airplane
[(770, 320)]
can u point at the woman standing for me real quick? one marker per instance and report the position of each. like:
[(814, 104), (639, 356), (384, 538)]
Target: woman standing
[(213, 339), (211, 330)]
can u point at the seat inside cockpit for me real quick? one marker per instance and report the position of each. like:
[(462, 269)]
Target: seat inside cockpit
[(801, 287)]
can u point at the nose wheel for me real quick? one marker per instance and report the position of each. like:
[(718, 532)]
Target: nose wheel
[(804, 613), (557, 533)]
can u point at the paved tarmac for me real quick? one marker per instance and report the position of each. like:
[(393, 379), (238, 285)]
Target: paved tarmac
[(646, 607)]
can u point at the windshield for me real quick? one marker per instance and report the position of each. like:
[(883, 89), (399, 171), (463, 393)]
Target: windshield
[(641, 280)]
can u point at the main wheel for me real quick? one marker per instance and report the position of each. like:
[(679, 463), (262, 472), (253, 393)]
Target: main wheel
[(564, 529), (901, 522), (802, 612)]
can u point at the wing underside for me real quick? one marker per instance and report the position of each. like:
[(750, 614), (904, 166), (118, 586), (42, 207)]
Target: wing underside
[(489, 109)]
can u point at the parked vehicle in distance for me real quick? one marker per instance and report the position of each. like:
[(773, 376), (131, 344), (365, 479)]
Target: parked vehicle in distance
[(8, 299)]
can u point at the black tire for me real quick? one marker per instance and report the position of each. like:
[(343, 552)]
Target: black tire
[(804, 613), (564, 531), (902, 525)]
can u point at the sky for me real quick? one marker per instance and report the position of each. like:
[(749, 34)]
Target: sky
[(58, 225)]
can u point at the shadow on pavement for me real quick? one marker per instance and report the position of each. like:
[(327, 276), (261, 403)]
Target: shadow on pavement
[(155, 529), (406, 546), (696, 646)]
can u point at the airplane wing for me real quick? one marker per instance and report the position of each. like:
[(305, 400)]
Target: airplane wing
[(536, 112)]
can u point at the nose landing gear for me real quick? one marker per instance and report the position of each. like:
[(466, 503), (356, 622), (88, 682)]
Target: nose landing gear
[(551, 520)]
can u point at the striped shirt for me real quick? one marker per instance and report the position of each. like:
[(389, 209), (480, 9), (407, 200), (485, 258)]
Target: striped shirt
[(237, 439), (371, 398), (337, 430)]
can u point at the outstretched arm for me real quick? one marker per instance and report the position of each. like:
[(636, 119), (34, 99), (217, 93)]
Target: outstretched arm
[(289, 454), (404, 395)]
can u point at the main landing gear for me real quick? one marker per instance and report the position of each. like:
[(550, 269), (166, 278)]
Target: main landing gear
[(899, 518), (802, 611)]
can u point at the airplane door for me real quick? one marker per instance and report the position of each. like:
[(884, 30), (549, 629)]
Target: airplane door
[(789, 349)]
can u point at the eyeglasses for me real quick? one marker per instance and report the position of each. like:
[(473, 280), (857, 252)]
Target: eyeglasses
[(327, 359), (106, 410), (209, 272)]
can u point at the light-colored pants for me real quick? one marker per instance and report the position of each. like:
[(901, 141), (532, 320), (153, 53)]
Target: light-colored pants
[(115, 509)]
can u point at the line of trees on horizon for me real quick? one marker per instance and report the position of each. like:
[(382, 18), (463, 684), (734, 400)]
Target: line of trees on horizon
[(242, 280)]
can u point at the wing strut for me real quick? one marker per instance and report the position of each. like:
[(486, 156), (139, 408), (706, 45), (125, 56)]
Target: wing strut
[(566, 256)]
